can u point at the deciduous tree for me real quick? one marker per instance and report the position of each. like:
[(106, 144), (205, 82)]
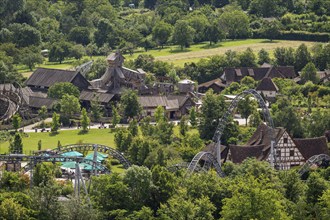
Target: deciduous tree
[(183, 34)]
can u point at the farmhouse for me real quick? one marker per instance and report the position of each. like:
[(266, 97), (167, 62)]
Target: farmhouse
[(267, 88), (42, 78), (217, 85), (289, 152), (234, 74)]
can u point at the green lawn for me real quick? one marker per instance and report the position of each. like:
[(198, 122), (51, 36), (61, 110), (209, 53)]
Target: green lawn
[(97, 136)]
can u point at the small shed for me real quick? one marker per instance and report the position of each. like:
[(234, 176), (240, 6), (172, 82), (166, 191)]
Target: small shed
[(186, 86)]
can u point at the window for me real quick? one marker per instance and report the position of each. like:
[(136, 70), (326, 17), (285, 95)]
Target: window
[(291, 153), (285, 140), (278, 153)]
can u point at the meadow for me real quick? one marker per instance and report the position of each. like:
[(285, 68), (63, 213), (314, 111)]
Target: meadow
[(50, 141), (173, 54)]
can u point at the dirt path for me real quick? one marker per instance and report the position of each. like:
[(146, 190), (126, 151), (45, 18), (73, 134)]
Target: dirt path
[(221, 50)]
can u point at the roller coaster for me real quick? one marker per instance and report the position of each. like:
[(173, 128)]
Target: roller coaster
[(11, 100), (208, 158)]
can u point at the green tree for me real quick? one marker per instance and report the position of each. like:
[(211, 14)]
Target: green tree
[(161, 32), (84, 120), (55, 122), (183, 34), (79, 209), (115, 116), (263, 57), (182, 207), (183, 125), (284, 56), (235, 23), (43, 114), (214, 32), (325, 204), (30, 58), (255, 119), (16, 146), (309, 73), (96, 110), (133, 127), (39, 145), (130, 104), (80, 35), (316, 186), (211, 111), (58, 90), (146, 127), (25, 35), (69, 105), (303, 57), (285, 116), (59, 51), (139, 182), (16, 121), (77, 51), (266, 8), (193, 117), (271, 29), (123, 139), (10, 209), (247, 58), (160, 114), (253, 200), (246, 107)]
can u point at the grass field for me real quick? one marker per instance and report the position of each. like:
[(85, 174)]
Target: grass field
[(178, 57), (30, 143)]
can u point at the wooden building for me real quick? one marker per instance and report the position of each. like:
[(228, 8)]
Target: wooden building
[(217, 85), (234, 74), (174, 105), (267, 88), (42, 78), (287, 154)]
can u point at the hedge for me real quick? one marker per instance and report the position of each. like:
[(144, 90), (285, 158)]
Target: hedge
[(298, 35)]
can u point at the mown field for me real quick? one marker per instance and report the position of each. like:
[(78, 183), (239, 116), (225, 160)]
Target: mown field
[(49, 141), (178, 57)]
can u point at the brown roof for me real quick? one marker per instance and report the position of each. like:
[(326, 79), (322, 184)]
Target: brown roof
[(258, 145), (240, 153), (236, 74), (87, 95), (38, 102), (217, 82), (114, 56), (267, 84), (309, 147), (155, 101), (48, 77)]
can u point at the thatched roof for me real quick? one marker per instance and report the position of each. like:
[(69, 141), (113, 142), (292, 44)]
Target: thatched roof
[(309, 147)]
